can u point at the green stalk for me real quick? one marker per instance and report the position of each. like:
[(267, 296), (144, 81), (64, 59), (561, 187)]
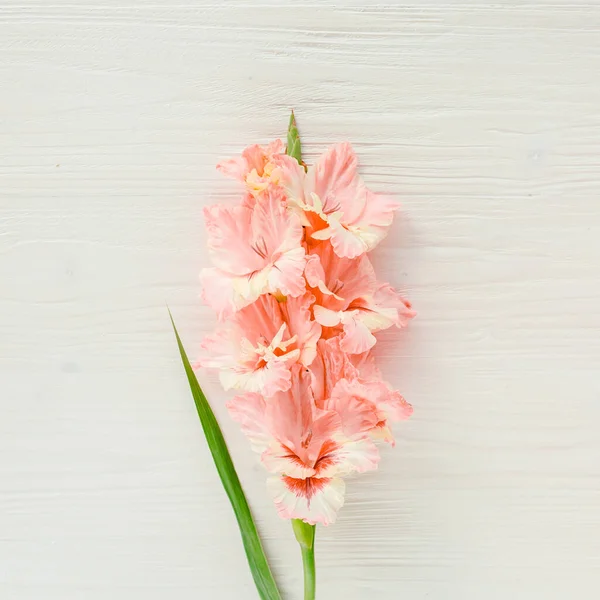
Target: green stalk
[(305, 534)]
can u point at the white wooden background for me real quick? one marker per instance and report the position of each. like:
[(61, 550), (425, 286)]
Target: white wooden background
[(483, 118)]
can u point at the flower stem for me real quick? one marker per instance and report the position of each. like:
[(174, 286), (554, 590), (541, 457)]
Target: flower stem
[(305, 534), (310, 581)]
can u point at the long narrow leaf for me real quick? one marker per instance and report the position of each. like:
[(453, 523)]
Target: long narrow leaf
[(263, 578)]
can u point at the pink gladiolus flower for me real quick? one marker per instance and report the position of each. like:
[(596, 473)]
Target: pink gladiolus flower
[(255, 167), (255, 250), (300, 307), (337, 204), (305, 447), (256, 351), (350, 301)]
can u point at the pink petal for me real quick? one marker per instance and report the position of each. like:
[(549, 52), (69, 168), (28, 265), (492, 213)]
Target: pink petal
[(260, 250), (275, 148), (373, 223), (296, 312), (367, 407), (357, 218), (327, 317), (269, 379), (287, 273), (217, 292), (249, 411), (330, 365), (292, 178), (350, 456), (218, 349), (357, 337), (312, 500), (296, 421), (384, 308), (274, 229), (387, 297), (280, 459), (365, 366), (343, 279), (357, 413), (345, 244), (255, 157), (260, 320), (393, 405), (333, 176), (236, 168), (314, 273), (230, 239)]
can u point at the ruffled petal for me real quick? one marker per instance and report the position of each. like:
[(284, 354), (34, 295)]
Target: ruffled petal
[(291, 414), (357, 337), (269, 379), (274, 228), (345, 243), (373, 223), (286, 274), (296, 312), (349, 456), (333, 176), (258, 248), (218, 350), (386, 298), (229, 239), (330, 365), (326, 317), (292, 178), (218, 292), (356, 219), (249, 411), (253, 157), (364, 366), (260, 321), (236, 168), (367, 407), (282, 460), (393, 405), (357, 412), (313, 500), (339, 281), (384, 308)]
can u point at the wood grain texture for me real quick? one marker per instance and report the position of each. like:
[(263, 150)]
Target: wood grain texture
[(482, 118)]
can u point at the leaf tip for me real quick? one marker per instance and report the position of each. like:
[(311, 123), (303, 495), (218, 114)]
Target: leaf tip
[(294, 148)]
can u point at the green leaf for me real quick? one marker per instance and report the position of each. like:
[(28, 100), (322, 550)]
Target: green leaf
[(294, 148), (263, 578)]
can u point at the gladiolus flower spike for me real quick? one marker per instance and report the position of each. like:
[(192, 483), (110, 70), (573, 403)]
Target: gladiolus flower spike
[(299, 307)]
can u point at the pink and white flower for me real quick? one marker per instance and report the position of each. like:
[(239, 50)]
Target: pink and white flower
[(352, 386), (337, 204), (255, 167), (368, 407), (256, 250), (299, 305), (256, 350), (350, 300), (305, 447)]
